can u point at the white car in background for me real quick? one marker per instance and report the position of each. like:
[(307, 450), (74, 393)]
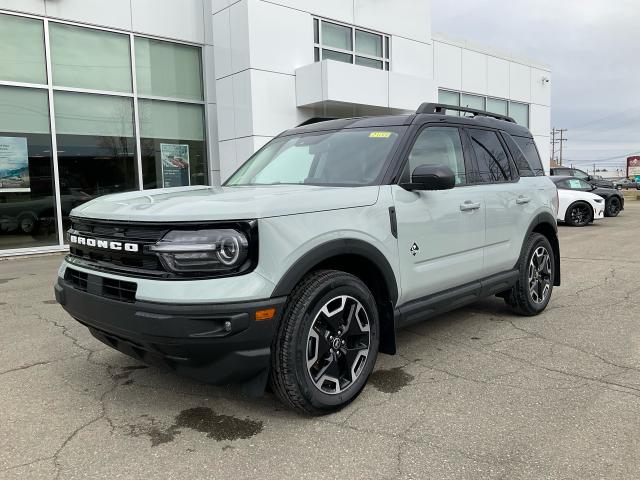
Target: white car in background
[(578, 208)]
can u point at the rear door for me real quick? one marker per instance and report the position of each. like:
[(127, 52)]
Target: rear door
[(509, 202), (440, 233)]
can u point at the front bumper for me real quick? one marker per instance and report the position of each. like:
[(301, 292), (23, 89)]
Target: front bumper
[(214, 343), (598, 211)]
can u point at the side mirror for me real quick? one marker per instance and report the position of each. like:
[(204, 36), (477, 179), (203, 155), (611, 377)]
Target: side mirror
[(431, 177)]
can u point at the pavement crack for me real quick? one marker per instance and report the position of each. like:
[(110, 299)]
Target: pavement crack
[(574, 347)]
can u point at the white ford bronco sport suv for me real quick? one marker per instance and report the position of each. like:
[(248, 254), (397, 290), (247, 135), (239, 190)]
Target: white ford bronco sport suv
[(302, 266)]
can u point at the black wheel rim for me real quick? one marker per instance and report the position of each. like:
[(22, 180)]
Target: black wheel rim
[(614, 206), (580, 214), (338, 344), (539, 275)]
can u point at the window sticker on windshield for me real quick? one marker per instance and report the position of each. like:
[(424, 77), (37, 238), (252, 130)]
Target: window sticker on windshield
[(575, 184), (379, 134)]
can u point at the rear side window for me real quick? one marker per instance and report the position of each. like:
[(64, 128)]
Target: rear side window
[(522, 164), (493, 162), (528, 148)]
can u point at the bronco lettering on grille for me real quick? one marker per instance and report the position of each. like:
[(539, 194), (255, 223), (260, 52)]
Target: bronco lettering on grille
[(108, 245)]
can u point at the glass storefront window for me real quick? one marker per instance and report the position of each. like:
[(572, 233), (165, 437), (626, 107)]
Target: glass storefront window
[(91, 86), (495, 105), (22, 50), (450, 98), (96, 146), (472, 101), (27, 200), (172, 144), (87, 58), (520, 113), (165, 69)]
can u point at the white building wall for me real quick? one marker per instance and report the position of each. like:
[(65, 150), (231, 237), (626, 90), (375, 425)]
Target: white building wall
[(467, 68), (256, 63)]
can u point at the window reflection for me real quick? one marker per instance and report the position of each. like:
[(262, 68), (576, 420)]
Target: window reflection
[(96, 147), (27, 203)]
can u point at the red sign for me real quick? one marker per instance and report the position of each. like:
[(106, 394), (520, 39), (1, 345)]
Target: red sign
[(633, 166)]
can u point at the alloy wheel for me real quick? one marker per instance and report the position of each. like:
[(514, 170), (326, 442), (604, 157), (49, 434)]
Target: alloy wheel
[(580, 214), (338, 344), (614, 206), (539, 275)]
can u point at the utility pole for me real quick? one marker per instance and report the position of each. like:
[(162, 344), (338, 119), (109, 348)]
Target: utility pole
[(562, 139), (553, 144)]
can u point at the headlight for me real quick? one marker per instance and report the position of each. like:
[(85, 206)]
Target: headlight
[(598, 200), (202, 251)]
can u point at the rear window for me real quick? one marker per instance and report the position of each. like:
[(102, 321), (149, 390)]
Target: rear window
[(528, 148)]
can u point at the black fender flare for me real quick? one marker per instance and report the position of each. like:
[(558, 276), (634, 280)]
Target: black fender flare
[(333, 248), (546, 219)]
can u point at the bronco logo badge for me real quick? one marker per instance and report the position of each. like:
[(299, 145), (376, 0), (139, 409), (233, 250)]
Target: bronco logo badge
[(106, 244)]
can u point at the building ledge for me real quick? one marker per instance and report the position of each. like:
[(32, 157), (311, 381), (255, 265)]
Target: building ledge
[(330, 82)]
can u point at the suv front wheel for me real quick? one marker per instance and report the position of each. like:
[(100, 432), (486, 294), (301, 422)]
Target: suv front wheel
[(536, 274), (327, 343)]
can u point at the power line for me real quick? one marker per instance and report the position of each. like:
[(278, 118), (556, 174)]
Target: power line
[(617, 157)]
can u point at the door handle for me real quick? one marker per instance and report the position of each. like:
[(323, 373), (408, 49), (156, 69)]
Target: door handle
[(469, 205), (522, 200)]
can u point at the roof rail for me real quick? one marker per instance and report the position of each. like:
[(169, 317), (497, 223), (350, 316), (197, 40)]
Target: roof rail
[(442, 108)]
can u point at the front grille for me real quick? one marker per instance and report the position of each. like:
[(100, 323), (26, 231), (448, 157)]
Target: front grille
[(101, 286), (140, 263)]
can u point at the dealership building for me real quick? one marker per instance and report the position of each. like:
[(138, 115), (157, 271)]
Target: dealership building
[(99, 97)]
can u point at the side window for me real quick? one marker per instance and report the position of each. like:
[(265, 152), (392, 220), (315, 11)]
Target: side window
[(493, 162), (523, 165), (578, 184), (579, 174), (437, 146), (528, 147)]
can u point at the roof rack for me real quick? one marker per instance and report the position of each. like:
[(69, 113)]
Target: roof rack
[(442, 108)]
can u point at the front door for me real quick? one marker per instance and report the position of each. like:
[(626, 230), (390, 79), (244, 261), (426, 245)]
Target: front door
[(440, 233)]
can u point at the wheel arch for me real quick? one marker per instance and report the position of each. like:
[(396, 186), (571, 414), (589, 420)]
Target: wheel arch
[(360, 259), (545, 224)]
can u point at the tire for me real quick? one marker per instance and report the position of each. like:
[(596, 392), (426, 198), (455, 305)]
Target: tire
[(28, 223), (537, 255), (312, 329), (579, 214), (613, 207)]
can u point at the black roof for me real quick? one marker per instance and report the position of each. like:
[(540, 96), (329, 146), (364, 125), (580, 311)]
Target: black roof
[(408, 119)]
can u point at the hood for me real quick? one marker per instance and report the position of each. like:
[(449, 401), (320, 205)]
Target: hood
[(202, 203), (572, 195)]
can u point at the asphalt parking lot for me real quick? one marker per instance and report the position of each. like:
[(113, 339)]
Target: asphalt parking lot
[(477, 393)]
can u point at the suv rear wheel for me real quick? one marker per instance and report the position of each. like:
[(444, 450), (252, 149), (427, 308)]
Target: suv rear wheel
[(536, 267), (327, 343)]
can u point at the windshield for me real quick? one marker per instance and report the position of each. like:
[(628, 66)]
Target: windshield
[(350, 157)]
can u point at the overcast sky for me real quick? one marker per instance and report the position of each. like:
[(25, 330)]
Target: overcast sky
[(593, 48)]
